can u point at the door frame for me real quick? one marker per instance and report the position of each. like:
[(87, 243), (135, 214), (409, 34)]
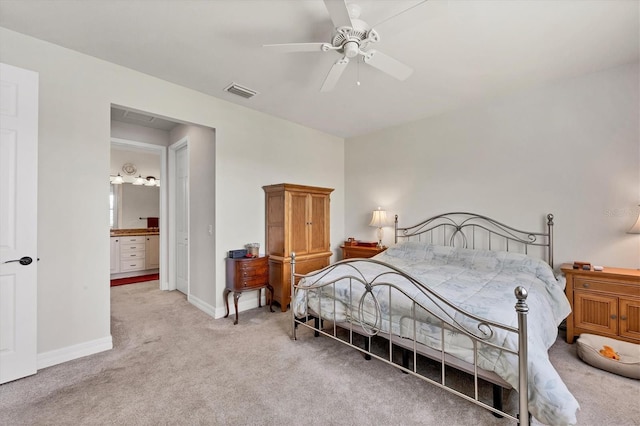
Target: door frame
[(172, 282), (163, 222)]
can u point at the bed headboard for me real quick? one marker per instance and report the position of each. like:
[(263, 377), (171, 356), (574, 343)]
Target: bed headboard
[(470, 230)]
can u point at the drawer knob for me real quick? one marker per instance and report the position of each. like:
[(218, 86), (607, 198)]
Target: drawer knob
[(623, 317), (614, 316), (585, 285)]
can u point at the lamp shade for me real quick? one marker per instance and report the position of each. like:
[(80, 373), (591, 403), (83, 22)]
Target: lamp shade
[(635, 229), (379, 218), (118, 180)]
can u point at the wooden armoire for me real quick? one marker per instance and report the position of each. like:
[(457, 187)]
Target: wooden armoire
[(297, 220)]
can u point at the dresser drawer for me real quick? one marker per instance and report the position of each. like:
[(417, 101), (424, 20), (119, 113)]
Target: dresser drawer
[(127, 247), (137, 239), (132, 265), (127, 255)]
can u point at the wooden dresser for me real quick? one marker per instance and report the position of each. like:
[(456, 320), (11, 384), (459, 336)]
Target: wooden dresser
[(606, 303), (297, 220), (246, 274), (350, 252)]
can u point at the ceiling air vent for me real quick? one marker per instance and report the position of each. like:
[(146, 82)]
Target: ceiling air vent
[(236, 89), (138, 116)]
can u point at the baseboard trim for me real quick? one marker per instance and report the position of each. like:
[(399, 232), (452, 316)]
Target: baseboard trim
[(58, 356), (243, 305), (202, 305)]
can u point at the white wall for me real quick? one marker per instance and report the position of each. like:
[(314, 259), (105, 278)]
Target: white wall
[(76, 93), (571, 148), (134, 132)]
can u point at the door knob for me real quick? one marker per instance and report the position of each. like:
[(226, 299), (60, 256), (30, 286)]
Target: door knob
[(26, 260)]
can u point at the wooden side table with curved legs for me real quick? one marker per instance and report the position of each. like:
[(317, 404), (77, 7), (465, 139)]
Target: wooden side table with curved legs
[(247, 274)]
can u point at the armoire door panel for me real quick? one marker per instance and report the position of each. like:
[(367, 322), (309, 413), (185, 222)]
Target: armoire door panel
[(318, 241), (299, 224)]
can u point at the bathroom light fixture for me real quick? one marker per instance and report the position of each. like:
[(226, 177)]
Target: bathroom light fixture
[(148, 181), (378, 220), (117, 180)]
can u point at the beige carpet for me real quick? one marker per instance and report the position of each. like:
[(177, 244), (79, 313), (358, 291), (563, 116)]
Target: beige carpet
[(173, 364)]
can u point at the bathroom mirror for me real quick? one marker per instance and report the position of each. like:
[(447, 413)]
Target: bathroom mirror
[(135, 203)]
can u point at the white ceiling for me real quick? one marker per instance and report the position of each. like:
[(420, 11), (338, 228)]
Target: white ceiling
[(461, 51)]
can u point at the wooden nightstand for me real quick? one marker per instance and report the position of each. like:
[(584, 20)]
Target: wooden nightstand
[(605, 303), (246, 274), (350, 252)]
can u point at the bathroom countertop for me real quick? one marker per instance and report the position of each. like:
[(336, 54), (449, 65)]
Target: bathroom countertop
[(136, 231)]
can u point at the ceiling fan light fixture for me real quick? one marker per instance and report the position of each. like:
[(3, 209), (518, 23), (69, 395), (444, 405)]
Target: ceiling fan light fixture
[(351, 49)]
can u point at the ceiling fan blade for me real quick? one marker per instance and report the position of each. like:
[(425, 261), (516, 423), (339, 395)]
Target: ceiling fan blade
[(296, 47), (339, 13), (387, 64), (334, 74)]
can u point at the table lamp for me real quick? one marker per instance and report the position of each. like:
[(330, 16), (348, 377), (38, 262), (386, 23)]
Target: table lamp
[(378, 220), (635, 229)]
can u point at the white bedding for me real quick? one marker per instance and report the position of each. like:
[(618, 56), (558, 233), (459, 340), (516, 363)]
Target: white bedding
[(481, 282)]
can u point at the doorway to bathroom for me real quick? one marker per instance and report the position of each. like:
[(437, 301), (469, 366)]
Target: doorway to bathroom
[(138, 197)]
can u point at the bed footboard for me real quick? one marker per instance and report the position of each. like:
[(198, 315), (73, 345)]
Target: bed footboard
[(370, 315)]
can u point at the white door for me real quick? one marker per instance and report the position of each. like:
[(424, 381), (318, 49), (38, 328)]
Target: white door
[(182, 219), (18, 220)]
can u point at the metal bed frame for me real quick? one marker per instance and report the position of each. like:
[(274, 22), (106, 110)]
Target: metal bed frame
[(446, 229)]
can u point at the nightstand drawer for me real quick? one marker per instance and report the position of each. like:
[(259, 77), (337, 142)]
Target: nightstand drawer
[(259, 281), (252, 272), (584, 283), (351, 252), (260, 262)]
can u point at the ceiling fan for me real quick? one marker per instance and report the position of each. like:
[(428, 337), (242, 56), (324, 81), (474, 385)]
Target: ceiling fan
[(352, 37)]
